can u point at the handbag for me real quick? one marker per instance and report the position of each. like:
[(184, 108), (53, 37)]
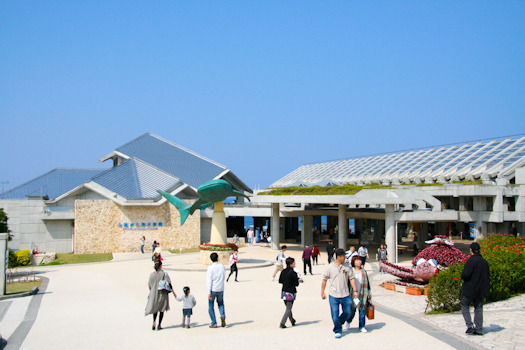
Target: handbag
[(288, 296), (164, 284), (370, 309)]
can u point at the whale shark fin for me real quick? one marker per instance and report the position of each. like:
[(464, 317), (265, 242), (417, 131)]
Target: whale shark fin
[(240, 194), (198, 205), (182, 206)]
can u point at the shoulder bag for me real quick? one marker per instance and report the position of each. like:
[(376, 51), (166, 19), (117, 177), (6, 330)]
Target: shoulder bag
[(164, 284)]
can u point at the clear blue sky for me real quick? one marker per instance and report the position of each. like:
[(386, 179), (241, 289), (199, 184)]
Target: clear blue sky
[(259, 86)]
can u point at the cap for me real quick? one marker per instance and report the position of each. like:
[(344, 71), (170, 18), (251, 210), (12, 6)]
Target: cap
[(475, 247)]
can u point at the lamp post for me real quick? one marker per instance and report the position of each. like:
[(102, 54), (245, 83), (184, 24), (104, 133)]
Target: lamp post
[(3, 261)]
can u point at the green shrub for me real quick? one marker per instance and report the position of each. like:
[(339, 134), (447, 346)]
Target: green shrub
[(12, 259), (23, 258), (444, 289), (505, 255)]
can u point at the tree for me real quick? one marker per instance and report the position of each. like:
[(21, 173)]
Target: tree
[(3, 223)]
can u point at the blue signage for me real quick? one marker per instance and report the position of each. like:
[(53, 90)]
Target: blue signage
[(140, 225)]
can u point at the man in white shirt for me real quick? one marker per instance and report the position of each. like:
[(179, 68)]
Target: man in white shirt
[(339, 276), (349, 254), (215, 288)]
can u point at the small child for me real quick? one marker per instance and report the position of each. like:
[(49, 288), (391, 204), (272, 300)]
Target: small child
[(187, 306)]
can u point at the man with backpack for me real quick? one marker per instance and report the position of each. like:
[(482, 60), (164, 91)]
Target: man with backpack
[(280, 261)]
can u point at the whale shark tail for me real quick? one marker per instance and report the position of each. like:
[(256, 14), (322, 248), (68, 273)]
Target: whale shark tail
[(182, 206), (240, 194)]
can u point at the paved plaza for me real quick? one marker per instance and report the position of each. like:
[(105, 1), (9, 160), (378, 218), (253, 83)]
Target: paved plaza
[(101, 306)]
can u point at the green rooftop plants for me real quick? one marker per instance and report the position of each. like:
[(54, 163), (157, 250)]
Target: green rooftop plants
[(320, 191)]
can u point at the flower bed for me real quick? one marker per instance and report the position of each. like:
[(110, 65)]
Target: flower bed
[(443, 253), (389, 286), (218, 247), (414, 291), (403, 286)]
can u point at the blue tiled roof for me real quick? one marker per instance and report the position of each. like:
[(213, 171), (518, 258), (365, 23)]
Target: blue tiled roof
[(53, 184), (188, 166), (135, 179)]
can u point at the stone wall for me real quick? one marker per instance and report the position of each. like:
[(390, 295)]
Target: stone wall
[(97, 227)]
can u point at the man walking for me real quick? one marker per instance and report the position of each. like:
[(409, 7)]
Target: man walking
[(339, 276), (280, 261), (307, 256), (330, 250), (350, 254), (215, 288), (249, 234), (476, 287)]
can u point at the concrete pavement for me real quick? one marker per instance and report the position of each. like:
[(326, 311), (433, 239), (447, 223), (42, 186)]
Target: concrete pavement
[(101, 305)]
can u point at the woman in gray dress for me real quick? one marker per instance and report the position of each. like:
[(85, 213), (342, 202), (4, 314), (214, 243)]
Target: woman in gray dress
[(158, 301)]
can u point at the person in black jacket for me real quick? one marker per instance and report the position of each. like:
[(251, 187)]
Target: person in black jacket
[(476, 287), (330, 248), (289, 280)]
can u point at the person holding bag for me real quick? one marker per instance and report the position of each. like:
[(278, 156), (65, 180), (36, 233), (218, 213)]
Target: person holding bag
[(290, 281), (159, 284), (365, 294)]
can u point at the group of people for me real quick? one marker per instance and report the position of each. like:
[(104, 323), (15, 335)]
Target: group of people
[(160, 287), (349, 288), (345, 281), (264, 237)]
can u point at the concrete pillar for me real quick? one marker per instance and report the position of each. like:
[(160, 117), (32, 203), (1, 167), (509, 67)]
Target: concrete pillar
[(462, 205), (218, 224), (307, 233), (378, 231), (343, 226), (3, 261), (422, 235), (359, 227), (391, 232), (276, 223)]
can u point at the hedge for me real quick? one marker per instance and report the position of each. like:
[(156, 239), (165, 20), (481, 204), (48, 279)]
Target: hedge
[(505, 255)]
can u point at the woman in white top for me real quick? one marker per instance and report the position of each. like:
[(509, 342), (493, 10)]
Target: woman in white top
[(234, 258), (365, 294)]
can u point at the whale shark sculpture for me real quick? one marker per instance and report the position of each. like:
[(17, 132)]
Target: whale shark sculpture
[(211, 192)]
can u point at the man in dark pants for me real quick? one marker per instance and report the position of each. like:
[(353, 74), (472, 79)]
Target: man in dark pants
[(476, 287), (307, 255), (330, 250)]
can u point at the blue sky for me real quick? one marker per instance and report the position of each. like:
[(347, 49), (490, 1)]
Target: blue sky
[(259, 86)]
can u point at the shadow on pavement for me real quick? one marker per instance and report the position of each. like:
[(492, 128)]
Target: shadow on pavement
[(237, 323), (306, 323), (493, 328)]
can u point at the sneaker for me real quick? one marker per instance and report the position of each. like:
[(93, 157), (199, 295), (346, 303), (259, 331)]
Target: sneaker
[(223, 321), (477, 333), (337, 335), (347, 326), (363, 330), (469, 330), (213, 326)]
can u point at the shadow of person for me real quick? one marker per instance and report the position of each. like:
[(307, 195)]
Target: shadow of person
[(493, 328), (238, 323), (370, 327), (305, 323)]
